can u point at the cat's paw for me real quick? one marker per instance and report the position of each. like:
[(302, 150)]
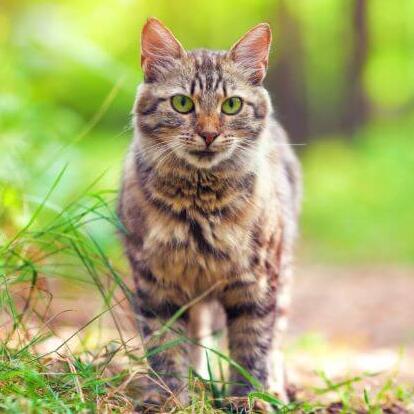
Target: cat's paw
[(152, 404), (156, 401), (241, 405)]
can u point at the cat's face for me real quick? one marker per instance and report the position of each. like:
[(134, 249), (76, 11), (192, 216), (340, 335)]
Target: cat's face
[(202, 106)]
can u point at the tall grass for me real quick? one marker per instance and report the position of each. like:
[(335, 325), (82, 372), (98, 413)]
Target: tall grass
[(55, 245)]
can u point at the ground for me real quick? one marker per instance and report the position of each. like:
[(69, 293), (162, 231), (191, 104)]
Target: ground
[(350, 340), (358, 320)]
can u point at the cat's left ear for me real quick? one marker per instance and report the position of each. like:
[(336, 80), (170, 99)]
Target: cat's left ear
[(251, 52)]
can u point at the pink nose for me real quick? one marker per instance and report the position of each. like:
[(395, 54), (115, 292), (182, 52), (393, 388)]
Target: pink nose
[(208, 136)]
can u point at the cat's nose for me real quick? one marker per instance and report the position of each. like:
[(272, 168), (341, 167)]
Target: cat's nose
[(208, 136)]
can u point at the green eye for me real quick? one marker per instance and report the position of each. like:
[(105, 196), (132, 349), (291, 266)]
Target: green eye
[(182, 104), (232, 106)]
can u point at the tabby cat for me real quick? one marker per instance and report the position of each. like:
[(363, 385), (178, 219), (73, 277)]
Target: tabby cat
[(209, 200)]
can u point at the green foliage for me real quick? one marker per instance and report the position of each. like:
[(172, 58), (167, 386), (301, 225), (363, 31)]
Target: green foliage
[(358, 197)]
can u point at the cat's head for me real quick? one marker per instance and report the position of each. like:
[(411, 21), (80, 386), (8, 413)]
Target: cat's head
[(201, 106)]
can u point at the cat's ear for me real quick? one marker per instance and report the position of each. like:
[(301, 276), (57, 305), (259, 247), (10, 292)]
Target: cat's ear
[(251, 52), (159, 48)]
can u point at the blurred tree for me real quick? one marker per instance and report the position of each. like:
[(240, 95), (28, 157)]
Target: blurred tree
[(286, 79), (356, 108)]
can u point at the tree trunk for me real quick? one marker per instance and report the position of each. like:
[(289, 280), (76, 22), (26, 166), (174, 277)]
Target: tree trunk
[(356, 108), (286, 80)]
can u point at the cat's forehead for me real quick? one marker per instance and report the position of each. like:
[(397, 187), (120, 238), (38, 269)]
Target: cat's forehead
[(206, 75), (206, 61), (207, 72)]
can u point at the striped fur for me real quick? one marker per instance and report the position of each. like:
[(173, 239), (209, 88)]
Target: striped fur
[(223, 224)]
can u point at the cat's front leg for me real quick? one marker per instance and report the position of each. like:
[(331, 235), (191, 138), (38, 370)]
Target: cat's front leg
[(166, 347), (251, 313)]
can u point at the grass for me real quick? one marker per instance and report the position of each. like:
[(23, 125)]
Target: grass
[(56, 385), (74, 384), (57, 248)]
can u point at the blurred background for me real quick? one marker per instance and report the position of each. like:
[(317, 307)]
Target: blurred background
[(341, 77)]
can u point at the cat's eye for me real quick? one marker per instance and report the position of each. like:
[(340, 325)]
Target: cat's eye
[(182, 104), (232, 106)]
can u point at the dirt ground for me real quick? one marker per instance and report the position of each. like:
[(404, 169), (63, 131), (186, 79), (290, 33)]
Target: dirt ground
[(359, 319), (371, 306)]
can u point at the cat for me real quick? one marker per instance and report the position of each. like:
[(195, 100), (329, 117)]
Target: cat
[(210, 201)]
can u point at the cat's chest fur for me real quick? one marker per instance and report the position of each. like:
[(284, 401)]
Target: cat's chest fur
[(199, 227)]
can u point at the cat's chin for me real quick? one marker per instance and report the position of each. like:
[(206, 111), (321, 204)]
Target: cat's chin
[(204, 159)]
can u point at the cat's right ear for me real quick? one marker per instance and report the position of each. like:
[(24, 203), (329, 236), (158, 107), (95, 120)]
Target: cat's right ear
[(159, 49)]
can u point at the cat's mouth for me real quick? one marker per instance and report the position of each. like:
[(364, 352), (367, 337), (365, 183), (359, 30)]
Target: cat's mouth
[(203, 153)]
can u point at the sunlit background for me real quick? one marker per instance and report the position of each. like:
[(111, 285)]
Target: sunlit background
[(341, 77)]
